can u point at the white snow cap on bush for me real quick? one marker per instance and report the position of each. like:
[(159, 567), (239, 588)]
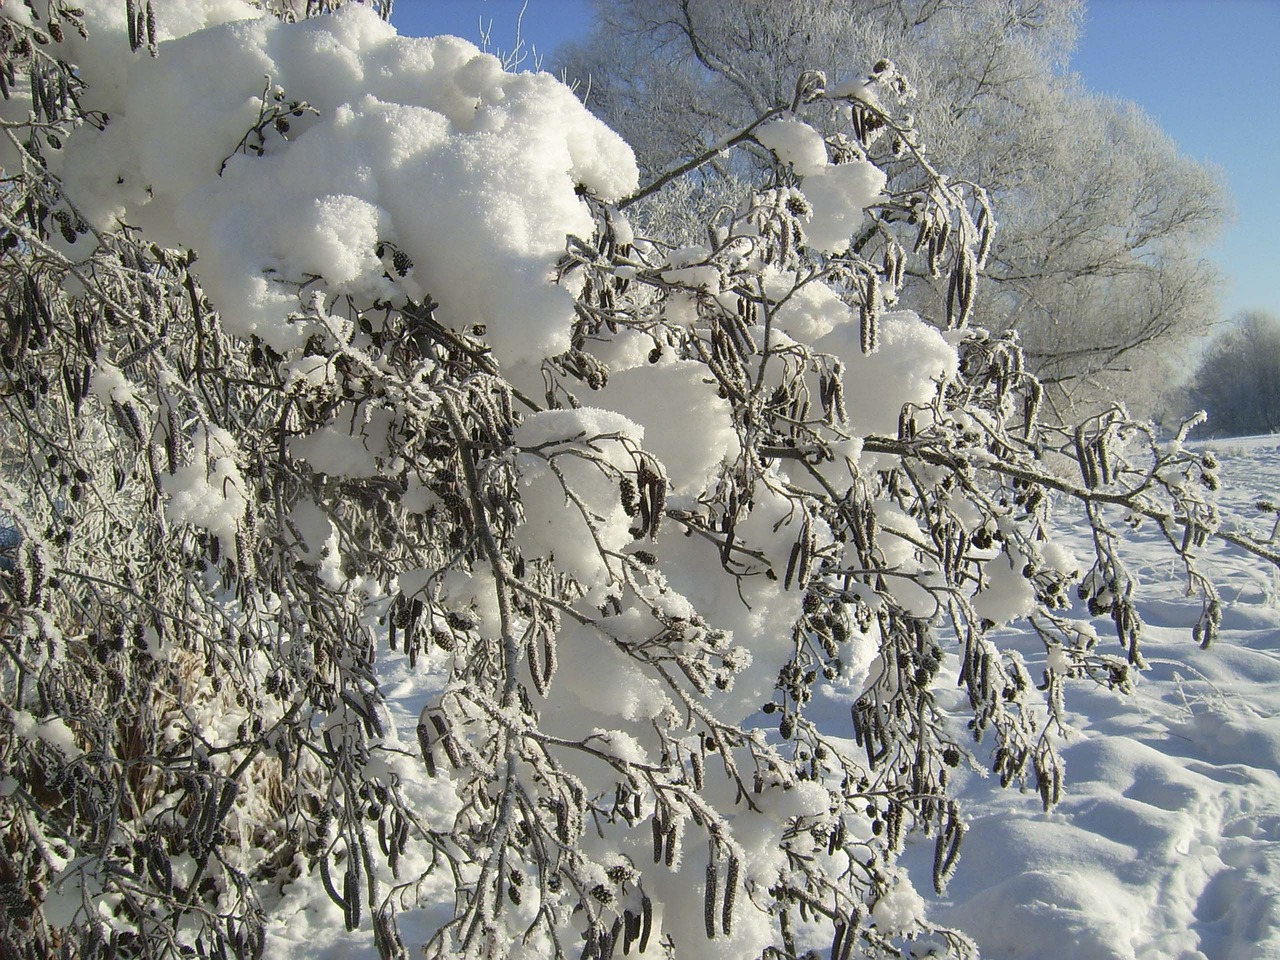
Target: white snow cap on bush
[(425, 146), (209, 492), (794, 142), (677, 392), (839, 193), (912, 357), (554, 525), (812, 311)]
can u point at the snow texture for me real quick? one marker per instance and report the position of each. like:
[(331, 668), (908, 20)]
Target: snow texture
[(1167, 842), (1165, 845), (423, 145), (912, 357), (794, 142), (837, 193)]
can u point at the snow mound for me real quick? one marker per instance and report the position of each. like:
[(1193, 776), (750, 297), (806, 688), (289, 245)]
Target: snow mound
[(912, 357), (396, 168)]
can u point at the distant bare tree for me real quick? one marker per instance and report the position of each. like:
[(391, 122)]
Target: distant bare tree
[(1238, 380), (1098, 263)]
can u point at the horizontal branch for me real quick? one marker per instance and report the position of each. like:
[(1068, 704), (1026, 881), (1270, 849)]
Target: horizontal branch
[(907, 448)]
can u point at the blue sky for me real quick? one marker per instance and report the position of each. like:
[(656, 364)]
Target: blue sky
[(545, 23), (1207, 70)]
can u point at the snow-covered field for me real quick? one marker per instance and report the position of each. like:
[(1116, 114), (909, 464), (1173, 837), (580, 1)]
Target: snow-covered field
[(1167, 844)]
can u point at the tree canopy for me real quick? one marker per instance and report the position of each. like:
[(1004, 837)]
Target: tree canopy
[(1237, 381), (1098, 264)]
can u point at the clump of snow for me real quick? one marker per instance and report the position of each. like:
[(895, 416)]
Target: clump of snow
[(555, 428), (1057, 556), (623, 746), (756, 611), (680, 309), (855, 88), (899, 531), (52, 731), (343, 451), (678, 907), (900, 909), (811, 312), (1058, 660), (677, 392), (314, 528), (566, 451), (1006, 594), (318, 539), (840, 195), (795, 142), (17, 12), (912, 358), (424, 144), (804, 798), (208, 491), (473, 591), (602, 679), (109, 383)]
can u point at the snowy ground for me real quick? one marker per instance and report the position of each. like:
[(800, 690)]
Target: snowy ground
[(1167, 844)]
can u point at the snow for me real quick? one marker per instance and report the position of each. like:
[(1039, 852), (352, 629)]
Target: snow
[(812, 311), (911, 358), (604, 681), (568, 449), (840, 193), (677, 392), (371, 137), (52, 731), (1165, 845), (209, 491), (16, 12), (837, 193), (341, 453), (794, 142), (1167, 842), (1006, 595), (900, 909), (109, 383)]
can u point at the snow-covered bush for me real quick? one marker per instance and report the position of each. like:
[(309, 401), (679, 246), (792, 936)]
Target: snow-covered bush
[(335, 380)]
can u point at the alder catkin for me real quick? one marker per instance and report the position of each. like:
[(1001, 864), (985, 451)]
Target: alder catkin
[(730, 895), (131, 15), (709, 900), (646, 922)]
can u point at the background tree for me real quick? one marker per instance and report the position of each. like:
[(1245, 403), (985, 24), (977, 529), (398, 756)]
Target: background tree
[(1099, 261), (398, 522), (1238, 379)]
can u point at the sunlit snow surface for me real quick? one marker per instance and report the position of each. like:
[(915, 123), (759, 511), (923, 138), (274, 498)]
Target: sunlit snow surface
[(1167, 844)]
